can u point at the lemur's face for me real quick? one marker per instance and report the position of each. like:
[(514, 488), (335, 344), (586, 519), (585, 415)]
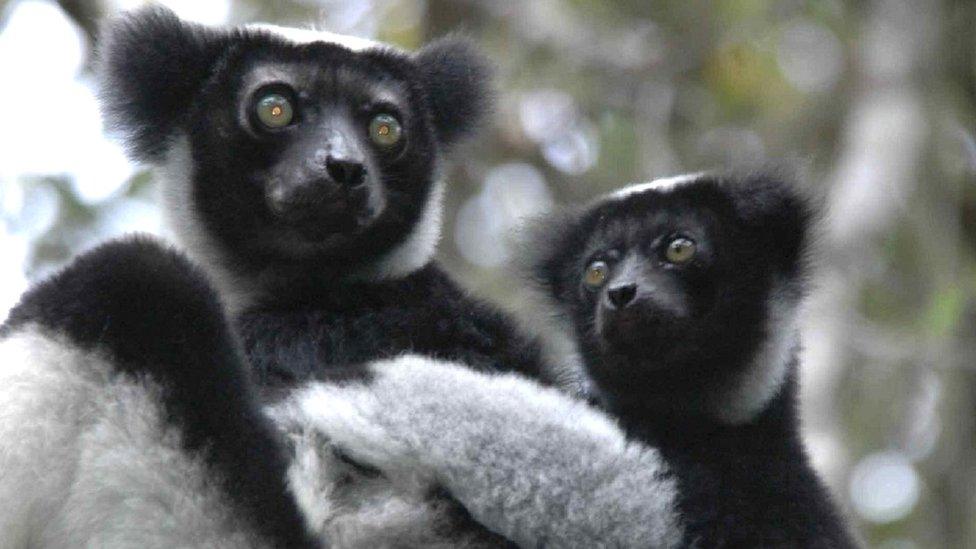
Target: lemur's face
[(306, 149), (647, 270), (292, 149), (670, 289)]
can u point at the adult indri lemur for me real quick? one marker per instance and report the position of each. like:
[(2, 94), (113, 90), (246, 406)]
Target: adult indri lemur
[(302, 169)]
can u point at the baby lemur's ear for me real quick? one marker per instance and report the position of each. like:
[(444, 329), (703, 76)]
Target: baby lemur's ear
[(151, 64), (458, 81), (543, 248), (778, 214)]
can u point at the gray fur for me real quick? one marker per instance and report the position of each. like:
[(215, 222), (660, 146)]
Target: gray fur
[(356, 508), (87, 461), (529, 463)]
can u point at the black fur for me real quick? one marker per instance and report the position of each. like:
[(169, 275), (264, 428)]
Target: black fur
[(661, 361), (172, 60), (314, 303), (460, 79), (153, 67), (157, 317), (162, 77), (353, 323)]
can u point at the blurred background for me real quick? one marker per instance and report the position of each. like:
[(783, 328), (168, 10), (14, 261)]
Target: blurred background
[(875, 99)]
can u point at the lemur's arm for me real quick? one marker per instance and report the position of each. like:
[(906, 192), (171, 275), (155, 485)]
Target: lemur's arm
[(529, 463)]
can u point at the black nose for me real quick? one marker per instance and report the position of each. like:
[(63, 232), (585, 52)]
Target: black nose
[(346, 172), (622, 296)]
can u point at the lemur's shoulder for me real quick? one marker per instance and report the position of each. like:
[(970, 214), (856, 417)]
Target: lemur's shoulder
[(426, 312)]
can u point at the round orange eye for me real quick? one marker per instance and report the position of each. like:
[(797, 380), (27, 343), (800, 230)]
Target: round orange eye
[(274, 111), (385, 130), (680, 250), (596, 274)]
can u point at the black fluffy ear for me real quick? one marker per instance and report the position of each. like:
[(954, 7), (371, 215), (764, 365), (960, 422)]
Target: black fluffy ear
[(458, 80), (544, 246), (774, 209), (151, 64)]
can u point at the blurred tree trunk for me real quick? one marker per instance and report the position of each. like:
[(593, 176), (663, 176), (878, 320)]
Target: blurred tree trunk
[(878, 191), (444, 16)]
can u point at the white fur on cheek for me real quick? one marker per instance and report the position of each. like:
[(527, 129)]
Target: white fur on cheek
[(419, 247), (238, 290), (186, 226), (765, 376), (308, 36), (87, 461)]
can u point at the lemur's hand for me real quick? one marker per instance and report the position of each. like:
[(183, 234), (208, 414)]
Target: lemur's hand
[(529, 463)]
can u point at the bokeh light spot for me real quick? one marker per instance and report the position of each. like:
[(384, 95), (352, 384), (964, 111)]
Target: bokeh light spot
[(884, 487)]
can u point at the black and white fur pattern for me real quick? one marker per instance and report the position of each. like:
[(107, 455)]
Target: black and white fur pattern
[(346, 274), (705, 372), (129, 419), (699, 358), (360, 311), (177, 92)]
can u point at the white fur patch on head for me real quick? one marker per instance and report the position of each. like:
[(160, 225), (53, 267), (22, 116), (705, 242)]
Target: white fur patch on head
[(764, 377), (308, 36), (527, 462), (86, 458), (664, 184), (419, 247)]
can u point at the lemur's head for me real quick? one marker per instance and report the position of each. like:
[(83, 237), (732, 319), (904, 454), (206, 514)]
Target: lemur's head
[(683, 291), (289, 151)]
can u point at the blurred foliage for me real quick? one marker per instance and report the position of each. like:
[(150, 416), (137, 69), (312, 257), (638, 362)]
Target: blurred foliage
[(873, 100)]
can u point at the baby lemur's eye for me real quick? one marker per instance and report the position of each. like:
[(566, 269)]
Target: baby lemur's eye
[(680, 250), (274, 111), (596, 274), (384, 130)]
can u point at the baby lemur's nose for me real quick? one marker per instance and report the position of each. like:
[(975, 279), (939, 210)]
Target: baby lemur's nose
[(622, 296), (348, 173)]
